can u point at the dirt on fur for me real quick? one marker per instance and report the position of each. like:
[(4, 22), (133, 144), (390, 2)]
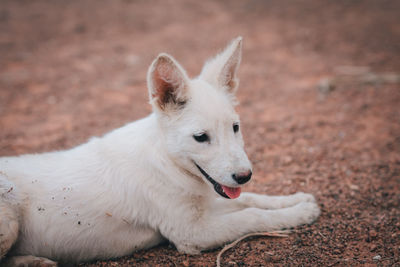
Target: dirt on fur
[(319, 93)]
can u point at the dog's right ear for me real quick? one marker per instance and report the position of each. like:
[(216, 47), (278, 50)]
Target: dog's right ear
[(168, 84)]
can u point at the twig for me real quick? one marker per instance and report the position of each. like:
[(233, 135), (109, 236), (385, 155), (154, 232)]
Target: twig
[(231, 245), (321, 234)]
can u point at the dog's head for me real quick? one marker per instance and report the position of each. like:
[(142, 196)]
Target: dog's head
[(200, 126)]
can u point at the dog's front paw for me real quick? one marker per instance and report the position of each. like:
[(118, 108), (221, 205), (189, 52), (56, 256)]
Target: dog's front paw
[(188, 249), (307, 212), (304, 197)]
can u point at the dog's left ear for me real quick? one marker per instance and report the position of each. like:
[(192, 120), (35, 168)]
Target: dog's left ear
[(167, 83), (221, 71)]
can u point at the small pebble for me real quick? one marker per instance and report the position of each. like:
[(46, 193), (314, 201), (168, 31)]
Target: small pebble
[(325, 86), (373, 233), (377, 257)]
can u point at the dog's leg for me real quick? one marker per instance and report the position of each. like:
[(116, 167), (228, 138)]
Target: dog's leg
[(29, 261), (9, 224), (8, 227), (274, 202), (218, 227), (252, 200)]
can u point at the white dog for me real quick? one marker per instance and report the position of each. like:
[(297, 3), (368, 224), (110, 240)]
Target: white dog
[(173, 175)]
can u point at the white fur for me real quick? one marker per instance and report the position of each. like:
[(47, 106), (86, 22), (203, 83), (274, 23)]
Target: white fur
[(138, 185)]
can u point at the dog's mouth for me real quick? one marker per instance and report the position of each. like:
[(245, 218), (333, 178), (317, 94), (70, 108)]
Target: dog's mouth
[(223, 190)]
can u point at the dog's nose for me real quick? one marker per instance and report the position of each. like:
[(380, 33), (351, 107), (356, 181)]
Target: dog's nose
[(242, 177)]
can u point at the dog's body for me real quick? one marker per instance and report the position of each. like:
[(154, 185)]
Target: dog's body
[(158, 178)]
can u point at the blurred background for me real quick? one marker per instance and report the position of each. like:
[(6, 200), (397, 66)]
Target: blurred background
[(319, 97)]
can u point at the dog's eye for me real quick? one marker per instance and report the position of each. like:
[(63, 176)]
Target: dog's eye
[(201, 138), (235, 127)]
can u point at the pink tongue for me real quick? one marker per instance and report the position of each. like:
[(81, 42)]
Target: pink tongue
[(232, 192)]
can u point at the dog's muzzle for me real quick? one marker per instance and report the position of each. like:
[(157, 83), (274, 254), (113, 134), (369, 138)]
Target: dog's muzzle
[(222, 190)]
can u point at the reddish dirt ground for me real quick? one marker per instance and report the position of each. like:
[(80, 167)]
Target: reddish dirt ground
[(74, 69)]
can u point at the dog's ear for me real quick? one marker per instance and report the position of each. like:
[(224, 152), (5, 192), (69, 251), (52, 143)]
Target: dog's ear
[(221, 71), (168, 84)]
